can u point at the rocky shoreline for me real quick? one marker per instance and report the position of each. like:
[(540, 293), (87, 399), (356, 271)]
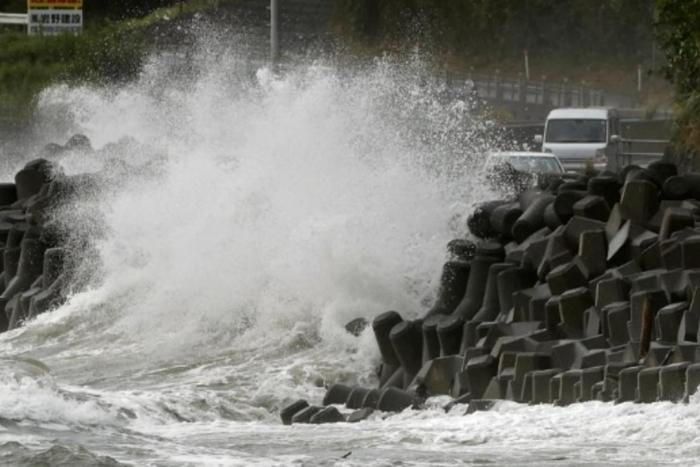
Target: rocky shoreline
[(583, 287)]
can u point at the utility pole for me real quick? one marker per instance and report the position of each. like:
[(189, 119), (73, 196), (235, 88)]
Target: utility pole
[(274, 33)]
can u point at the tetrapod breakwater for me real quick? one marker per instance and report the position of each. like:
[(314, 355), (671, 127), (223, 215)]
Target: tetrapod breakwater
[(579, 287)]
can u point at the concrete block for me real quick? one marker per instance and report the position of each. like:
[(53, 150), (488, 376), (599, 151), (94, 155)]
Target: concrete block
[(688, 328), (657, 300), (510, 281), (682, 186), (538, 302), (668, 321), (359, 415), (611, 378), (490, 307), (671, 254), (532, 218), (659, 354), (540, 386), (449, 333), (304, 415), (513, 344), (640, 240), (673, 220), (662, 170), (396, 400), (566, 389), (503, 218), (337, 394), (526, 389), (634, 172), (453, 286), (556, 253), (593, 250), (525, 363), (407, 340), (614, 222), (672, 382), (431, 344), (479, 221), (593, 358), (292, 409), (589, 377), (476, 285), (611, 291), (692, 379), (592, 207), (617, 244), (563, 204), (356, 397), (382, 326), (469, 336), (327, 415), (576, 226), (437, 376), (497, 387), (627, 384), (617, 315), (567, 276), (552, 316), (572, 305), (479, 371), (646, 281), (639, 201), (461, 249), (568, 354), (391, 376), (690, 252), (676, 284), (650, 258), (592, 323), (607, 187), (555, 387), (550, 217), (647, 385)]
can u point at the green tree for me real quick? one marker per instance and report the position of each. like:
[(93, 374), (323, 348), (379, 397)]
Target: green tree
[(678, 32)]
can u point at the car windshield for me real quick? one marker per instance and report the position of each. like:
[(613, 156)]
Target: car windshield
[(575, 131), (534, 164)]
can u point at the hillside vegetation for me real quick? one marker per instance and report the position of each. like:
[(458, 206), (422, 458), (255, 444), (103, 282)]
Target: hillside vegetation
[(678, 26), (117, 37)]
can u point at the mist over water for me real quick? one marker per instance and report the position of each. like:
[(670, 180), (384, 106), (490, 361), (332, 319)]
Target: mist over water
[(260, 212)]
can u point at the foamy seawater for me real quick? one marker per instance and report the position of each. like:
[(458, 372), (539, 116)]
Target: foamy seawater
[(275, 208)]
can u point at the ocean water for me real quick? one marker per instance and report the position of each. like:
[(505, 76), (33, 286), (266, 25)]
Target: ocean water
[(281, 206)]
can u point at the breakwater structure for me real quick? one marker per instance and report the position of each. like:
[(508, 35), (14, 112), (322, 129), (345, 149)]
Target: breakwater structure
[(40, 254), (580, 287), (34, 264)]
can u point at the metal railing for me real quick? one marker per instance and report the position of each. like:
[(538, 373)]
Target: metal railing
[(640, 151), (531, 100), (20, 19)]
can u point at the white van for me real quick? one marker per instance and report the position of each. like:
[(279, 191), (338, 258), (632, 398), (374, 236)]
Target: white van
[(580, 136)]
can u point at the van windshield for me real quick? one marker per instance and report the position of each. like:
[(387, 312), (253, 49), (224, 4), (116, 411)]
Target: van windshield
[(575, 131)]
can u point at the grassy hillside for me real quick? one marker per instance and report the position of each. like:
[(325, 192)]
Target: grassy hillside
[(109, 50)]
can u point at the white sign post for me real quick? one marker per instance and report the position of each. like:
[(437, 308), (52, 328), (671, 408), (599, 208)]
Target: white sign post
[(52, 17)]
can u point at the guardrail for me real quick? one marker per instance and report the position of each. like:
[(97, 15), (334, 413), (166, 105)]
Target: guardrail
[(644, 154), (531, 100), (20, 19)]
